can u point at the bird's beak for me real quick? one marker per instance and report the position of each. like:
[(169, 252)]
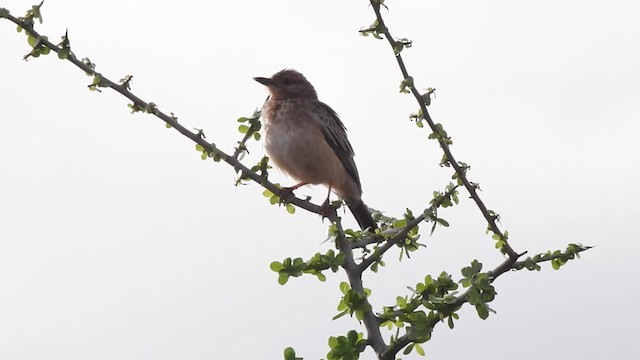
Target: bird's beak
[(264, 81)]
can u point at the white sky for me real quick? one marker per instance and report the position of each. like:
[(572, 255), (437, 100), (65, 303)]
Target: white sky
[(118, 242)]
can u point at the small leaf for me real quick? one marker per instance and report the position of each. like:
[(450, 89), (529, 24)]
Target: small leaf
[(482, 310), (63, 54), (400, 223), (276, 266), (283, 278), (408, 349), (289, 354), (343, 313), (344, 287), (267, 193)]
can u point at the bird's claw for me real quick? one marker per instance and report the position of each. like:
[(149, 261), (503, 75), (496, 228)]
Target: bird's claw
[(326, 210), (284, 194)]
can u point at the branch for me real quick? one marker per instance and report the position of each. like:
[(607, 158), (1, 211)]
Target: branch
[(139, 104), (402, 234), (471, 188), (371, 321), (508, 264)]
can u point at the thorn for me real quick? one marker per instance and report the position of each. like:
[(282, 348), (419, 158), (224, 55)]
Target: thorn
[(200, 133)]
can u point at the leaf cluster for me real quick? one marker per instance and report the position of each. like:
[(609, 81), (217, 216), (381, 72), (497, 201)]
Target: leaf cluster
[(297, 267), (353, 302)]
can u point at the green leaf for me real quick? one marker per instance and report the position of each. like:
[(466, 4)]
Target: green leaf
[(408, 349), (419, 349), (35, 11), (483, 311), (276, 266), (352, 336), (243, 128), (333, 341), (344, 287), (283, 278), (397, 48), (290, 208), (290, 354), (450, 322), (63, 54), (401, 301)]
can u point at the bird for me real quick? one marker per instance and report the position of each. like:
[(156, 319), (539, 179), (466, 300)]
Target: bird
[(306, 140)]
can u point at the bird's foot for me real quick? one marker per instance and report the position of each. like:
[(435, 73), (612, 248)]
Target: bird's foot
[(327, 210), (284, 194)]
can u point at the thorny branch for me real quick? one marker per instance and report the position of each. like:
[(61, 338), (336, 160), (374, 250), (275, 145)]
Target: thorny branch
[(511, 262), (353, 269), (196, 137), (354, 274), (471, 188), (401, 235)]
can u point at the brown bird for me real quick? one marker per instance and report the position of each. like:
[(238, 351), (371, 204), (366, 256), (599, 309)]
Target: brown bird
[(305, 139)]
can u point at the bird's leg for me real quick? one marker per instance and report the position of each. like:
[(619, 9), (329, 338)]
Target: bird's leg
[(325, 208), (285, 192)]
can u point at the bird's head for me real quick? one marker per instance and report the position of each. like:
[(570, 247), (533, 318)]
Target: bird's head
[(288, 84)]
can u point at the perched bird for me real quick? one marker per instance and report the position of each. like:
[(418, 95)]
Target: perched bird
[(306, 140)]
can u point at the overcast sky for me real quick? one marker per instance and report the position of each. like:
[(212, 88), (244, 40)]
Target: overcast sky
[(118, 242)]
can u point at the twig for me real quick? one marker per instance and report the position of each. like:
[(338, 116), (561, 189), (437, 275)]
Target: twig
[(490, 218), (194, 136)]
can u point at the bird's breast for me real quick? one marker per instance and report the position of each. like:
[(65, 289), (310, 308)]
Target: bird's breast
[(292, 138)]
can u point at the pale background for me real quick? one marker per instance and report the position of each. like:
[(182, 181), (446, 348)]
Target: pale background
[(118, 242)]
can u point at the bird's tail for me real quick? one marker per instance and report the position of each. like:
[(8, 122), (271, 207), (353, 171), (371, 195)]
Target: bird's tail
[(361, 212)]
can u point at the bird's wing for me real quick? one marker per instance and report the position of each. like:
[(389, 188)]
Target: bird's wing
[(336, 136)]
